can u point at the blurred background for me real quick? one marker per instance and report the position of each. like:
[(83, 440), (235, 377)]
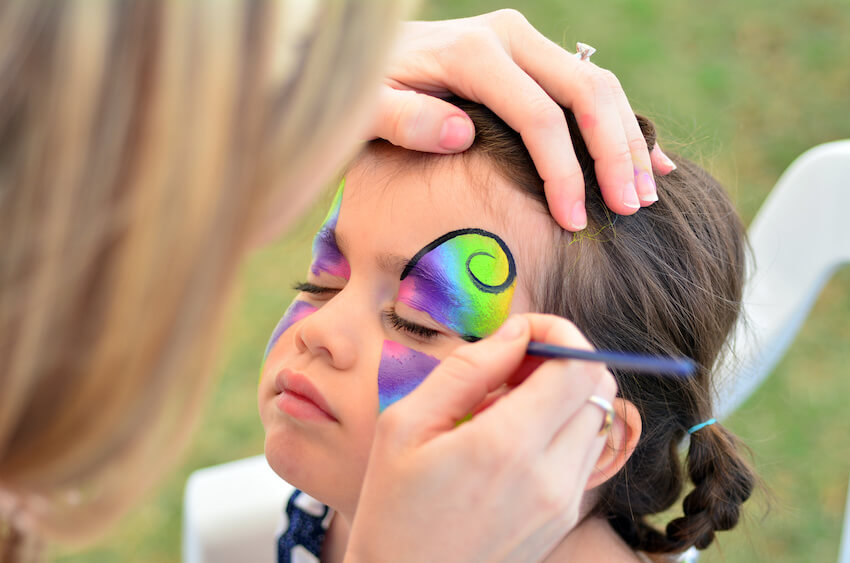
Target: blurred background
[(740, 86)]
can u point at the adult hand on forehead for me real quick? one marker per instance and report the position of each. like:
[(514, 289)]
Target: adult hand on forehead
[(500, 60), (503, 486)]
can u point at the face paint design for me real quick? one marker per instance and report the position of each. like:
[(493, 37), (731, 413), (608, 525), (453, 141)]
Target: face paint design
[(326, 255), (326, 258), (464, 280), (401, 370), (296, 311)]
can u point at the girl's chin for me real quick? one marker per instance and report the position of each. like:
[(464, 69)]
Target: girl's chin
[(294, 457)]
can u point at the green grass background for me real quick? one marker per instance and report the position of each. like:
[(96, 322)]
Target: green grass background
[(743, 87)]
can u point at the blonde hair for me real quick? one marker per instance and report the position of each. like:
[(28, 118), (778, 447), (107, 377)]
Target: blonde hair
[(141, 143)]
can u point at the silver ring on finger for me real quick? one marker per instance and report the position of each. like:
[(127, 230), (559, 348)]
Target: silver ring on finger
[(607, 408), (584, 51)]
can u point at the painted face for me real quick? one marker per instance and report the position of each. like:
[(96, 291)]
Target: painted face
[(401, 370), (403, 271), (326, 255), (464, 280), (326, 259), (294, 313)]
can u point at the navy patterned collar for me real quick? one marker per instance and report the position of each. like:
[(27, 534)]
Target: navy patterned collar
[(306, 522)]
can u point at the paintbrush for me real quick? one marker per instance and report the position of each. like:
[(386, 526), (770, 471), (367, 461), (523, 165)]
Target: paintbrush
[(681, 367)]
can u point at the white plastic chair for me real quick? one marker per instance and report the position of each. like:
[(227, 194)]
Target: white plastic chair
[(799, 238), (844, 548), (232, 512)]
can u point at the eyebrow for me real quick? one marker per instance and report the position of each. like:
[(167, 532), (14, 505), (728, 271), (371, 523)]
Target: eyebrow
[(392, 263), (388, 262)]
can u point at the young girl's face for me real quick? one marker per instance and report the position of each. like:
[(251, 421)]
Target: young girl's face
[(410, 263)]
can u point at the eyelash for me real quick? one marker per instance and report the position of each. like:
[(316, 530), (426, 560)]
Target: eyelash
[(312, 288), (391, 316), (413, 329)]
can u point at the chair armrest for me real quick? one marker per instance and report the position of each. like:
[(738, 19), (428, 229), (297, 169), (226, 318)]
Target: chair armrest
[(798, 240), (844, 549), (232, 512)]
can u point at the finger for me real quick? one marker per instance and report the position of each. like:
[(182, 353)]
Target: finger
[(539, 407), (585, 425), (598, 116), (459, 384), (421, 122), (643, 178), (538, 119), (581, 434), (594, 96), (661, 163)]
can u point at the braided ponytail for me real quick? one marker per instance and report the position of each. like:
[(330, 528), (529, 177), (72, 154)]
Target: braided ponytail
[(722, 479)]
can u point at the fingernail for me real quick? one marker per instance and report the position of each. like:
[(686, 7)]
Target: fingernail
[(646, 187), (667, 162), (578, 217), (630, 198), (456, 133), (511, 329)]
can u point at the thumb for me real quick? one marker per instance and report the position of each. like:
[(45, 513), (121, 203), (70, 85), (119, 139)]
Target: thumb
[(461, 382), (421, 122)]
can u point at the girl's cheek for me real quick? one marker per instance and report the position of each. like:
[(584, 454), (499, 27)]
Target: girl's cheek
[(401, 370), (294, 313)]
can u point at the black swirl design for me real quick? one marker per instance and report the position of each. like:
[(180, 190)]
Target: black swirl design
[(486, 288)]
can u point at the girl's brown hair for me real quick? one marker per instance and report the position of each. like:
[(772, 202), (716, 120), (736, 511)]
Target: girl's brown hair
[(664, 281)]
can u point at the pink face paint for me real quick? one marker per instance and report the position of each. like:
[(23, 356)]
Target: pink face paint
[(296, 311), (326, 254), (464, 280), (401, 370)]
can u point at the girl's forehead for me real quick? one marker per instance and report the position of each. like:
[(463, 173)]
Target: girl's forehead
[(430, 197), (388, 207), (444, 187)]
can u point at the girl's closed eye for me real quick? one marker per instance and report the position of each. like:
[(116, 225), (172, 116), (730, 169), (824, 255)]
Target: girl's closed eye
[(316, 291), (410, 328)]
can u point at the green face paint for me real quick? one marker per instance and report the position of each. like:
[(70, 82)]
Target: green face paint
[(465, 280)]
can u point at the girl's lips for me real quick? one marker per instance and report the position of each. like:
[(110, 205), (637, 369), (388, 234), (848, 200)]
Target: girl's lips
[(298, 397)]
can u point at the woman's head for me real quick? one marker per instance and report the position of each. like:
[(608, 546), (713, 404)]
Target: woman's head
[(143, 146)]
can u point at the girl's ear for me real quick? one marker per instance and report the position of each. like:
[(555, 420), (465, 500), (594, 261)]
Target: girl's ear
[(621, 442)]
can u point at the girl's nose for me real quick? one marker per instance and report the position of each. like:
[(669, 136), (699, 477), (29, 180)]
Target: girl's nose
[(330, 335)]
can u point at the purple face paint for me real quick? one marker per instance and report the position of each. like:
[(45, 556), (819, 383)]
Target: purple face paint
[(296, 311), (401, 370), (327, 257), (464, 280), (326, 254)]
